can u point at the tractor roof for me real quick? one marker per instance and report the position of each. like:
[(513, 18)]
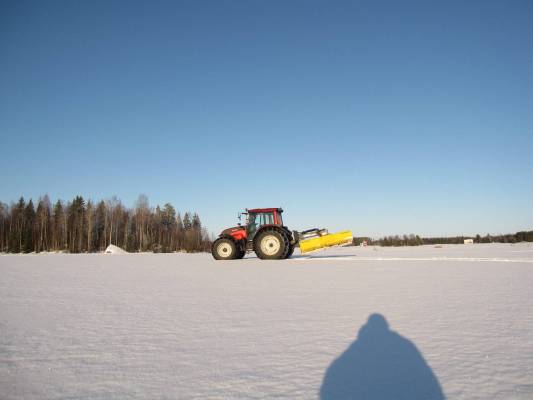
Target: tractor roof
[(260, 210)]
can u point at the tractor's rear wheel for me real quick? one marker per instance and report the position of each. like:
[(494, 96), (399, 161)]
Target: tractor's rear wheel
[(224, 249), (291, 250), (271, 244)]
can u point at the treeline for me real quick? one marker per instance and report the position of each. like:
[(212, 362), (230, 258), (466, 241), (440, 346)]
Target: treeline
[(415, 240), (80, 226)]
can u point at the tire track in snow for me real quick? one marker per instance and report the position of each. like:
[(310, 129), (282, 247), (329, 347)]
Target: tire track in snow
[(456, 259)]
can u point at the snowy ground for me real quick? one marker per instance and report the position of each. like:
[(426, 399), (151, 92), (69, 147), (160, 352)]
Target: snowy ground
[(185, 326)]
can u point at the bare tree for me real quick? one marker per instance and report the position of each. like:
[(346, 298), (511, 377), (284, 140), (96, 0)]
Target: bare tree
[(90, 225)]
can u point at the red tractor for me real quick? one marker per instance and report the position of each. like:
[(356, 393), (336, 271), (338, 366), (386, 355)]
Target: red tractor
[(264, 233)]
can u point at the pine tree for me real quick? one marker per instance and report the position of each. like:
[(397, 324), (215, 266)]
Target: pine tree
[(29, 224), (57, 227), (90, 226), (43, 222), (100, 226), (75, 225), (17, 226), (197, 232), (180, 232), (4, 224), (187, 224), (168, 221)]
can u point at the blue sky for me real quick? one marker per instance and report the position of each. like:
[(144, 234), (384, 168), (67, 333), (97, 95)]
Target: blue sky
[(381, 117)]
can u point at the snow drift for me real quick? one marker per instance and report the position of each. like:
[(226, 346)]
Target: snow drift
[(112, 249)]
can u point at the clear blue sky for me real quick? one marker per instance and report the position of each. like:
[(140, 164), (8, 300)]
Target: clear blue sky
[(382, 117)]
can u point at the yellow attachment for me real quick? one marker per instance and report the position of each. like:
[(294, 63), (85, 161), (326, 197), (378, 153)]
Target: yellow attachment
[(329, 240)]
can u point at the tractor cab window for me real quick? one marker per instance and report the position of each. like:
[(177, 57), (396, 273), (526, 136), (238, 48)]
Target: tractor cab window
[(257, 220), (268, 218)]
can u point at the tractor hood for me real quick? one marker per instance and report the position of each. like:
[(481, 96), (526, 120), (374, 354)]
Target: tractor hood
[(232, 230)]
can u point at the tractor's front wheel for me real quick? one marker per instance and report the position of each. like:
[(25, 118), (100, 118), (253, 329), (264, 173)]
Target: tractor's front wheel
[(240, 254), (224, 249), (271, 244)]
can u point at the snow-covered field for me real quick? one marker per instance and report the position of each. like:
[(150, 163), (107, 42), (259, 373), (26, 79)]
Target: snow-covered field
[(183, 326)]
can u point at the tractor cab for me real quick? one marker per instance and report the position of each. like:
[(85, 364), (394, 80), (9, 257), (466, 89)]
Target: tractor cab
[(258, 217)]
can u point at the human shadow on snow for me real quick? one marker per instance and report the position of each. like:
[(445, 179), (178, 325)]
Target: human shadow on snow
[(380, 365)]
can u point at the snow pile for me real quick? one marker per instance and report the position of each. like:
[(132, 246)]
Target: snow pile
[(112, 249)]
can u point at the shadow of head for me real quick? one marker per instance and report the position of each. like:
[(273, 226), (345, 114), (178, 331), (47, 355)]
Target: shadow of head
[(380, 365)]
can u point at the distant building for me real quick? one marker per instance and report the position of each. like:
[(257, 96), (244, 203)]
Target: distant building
[(469, 241), (364, 243)]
